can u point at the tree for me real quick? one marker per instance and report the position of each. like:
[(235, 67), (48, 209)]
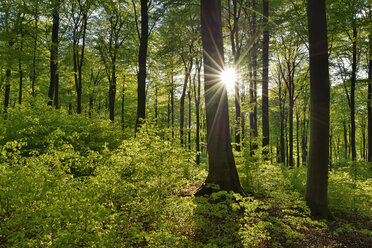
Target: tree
[(110, 40), (317, 174), (265, 78), (142, 62), (79, 22), (369, 100), (222, 169), (54, 77)]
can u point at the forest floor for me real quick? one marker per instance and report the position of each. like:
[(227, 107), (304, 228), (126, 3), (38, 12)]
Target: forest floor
[(347, 230)]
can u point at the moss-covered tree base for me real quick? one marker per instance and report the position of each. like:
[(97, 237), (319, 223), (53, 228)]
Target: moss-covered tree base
[(210, 188), (320, 211)]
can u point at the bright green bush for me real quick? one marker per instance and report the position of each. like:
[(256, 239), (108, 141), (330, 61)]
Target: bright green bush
[(41, 128)]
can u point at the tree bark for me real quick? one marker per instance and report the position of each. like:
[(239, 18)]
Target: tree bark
[(197, 109), (369, 109), (33, 80), (112, 90), (182, 103), (20, 70), (7, 90), (352, 94), (122, 105), (222, 170), (54, 54), (142, 65), (317, 173), (265, 79)]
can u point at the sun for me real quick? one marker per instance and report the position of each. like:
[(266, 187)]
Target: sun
[(228, 78)]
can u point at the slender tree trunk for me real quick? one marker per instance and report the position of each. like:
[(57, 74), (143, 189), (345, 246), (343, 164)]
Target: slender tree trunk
[(122, 106), (189, 124), (317, 173), (33, 80), (142, 65), (234, 39), (172, 107), (54, 54), (182, 105), (281, 109), (330, 150), (364, 141), (369, 109), (20, 70), (197, 109), (112, 90), (345, 139), (352, 94), (156, 105), (7, 90), (304, 136), (297, 139), (290, 158), (265, 78), (222, 170)]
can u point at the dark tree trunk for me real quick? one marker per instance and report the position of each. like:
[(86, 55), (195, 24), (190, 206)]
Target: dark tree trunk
[(122, 106), (330, 150), (7, 90), (172, 106), (197, 109), (282, 113), (317, 173), (297, 138), (369, 109), (290, 158), (112, 91), (91, 102), (235, 46), (345, 139), (142, 66), (54, 54), (352, 94), (33, 80), (20, 70), (304, 136), (364, 141), (189, 124), (265, 78), (156, 105), (222, 170), (182, 105)]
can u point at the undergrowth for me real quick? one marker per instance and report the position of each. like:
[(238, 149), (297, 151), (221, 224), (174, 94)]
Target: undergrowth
[(69, 181)]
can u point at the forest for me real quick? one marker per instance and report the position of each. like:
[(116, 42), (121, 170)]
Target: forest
[(200, 123)]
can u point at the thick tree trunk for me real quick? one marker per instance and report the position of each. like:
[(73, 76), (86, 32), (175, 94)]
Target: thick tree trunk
[(54, 54), (142, 66), (265, 78), (352, 94), (222, 170), (317, 173)]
